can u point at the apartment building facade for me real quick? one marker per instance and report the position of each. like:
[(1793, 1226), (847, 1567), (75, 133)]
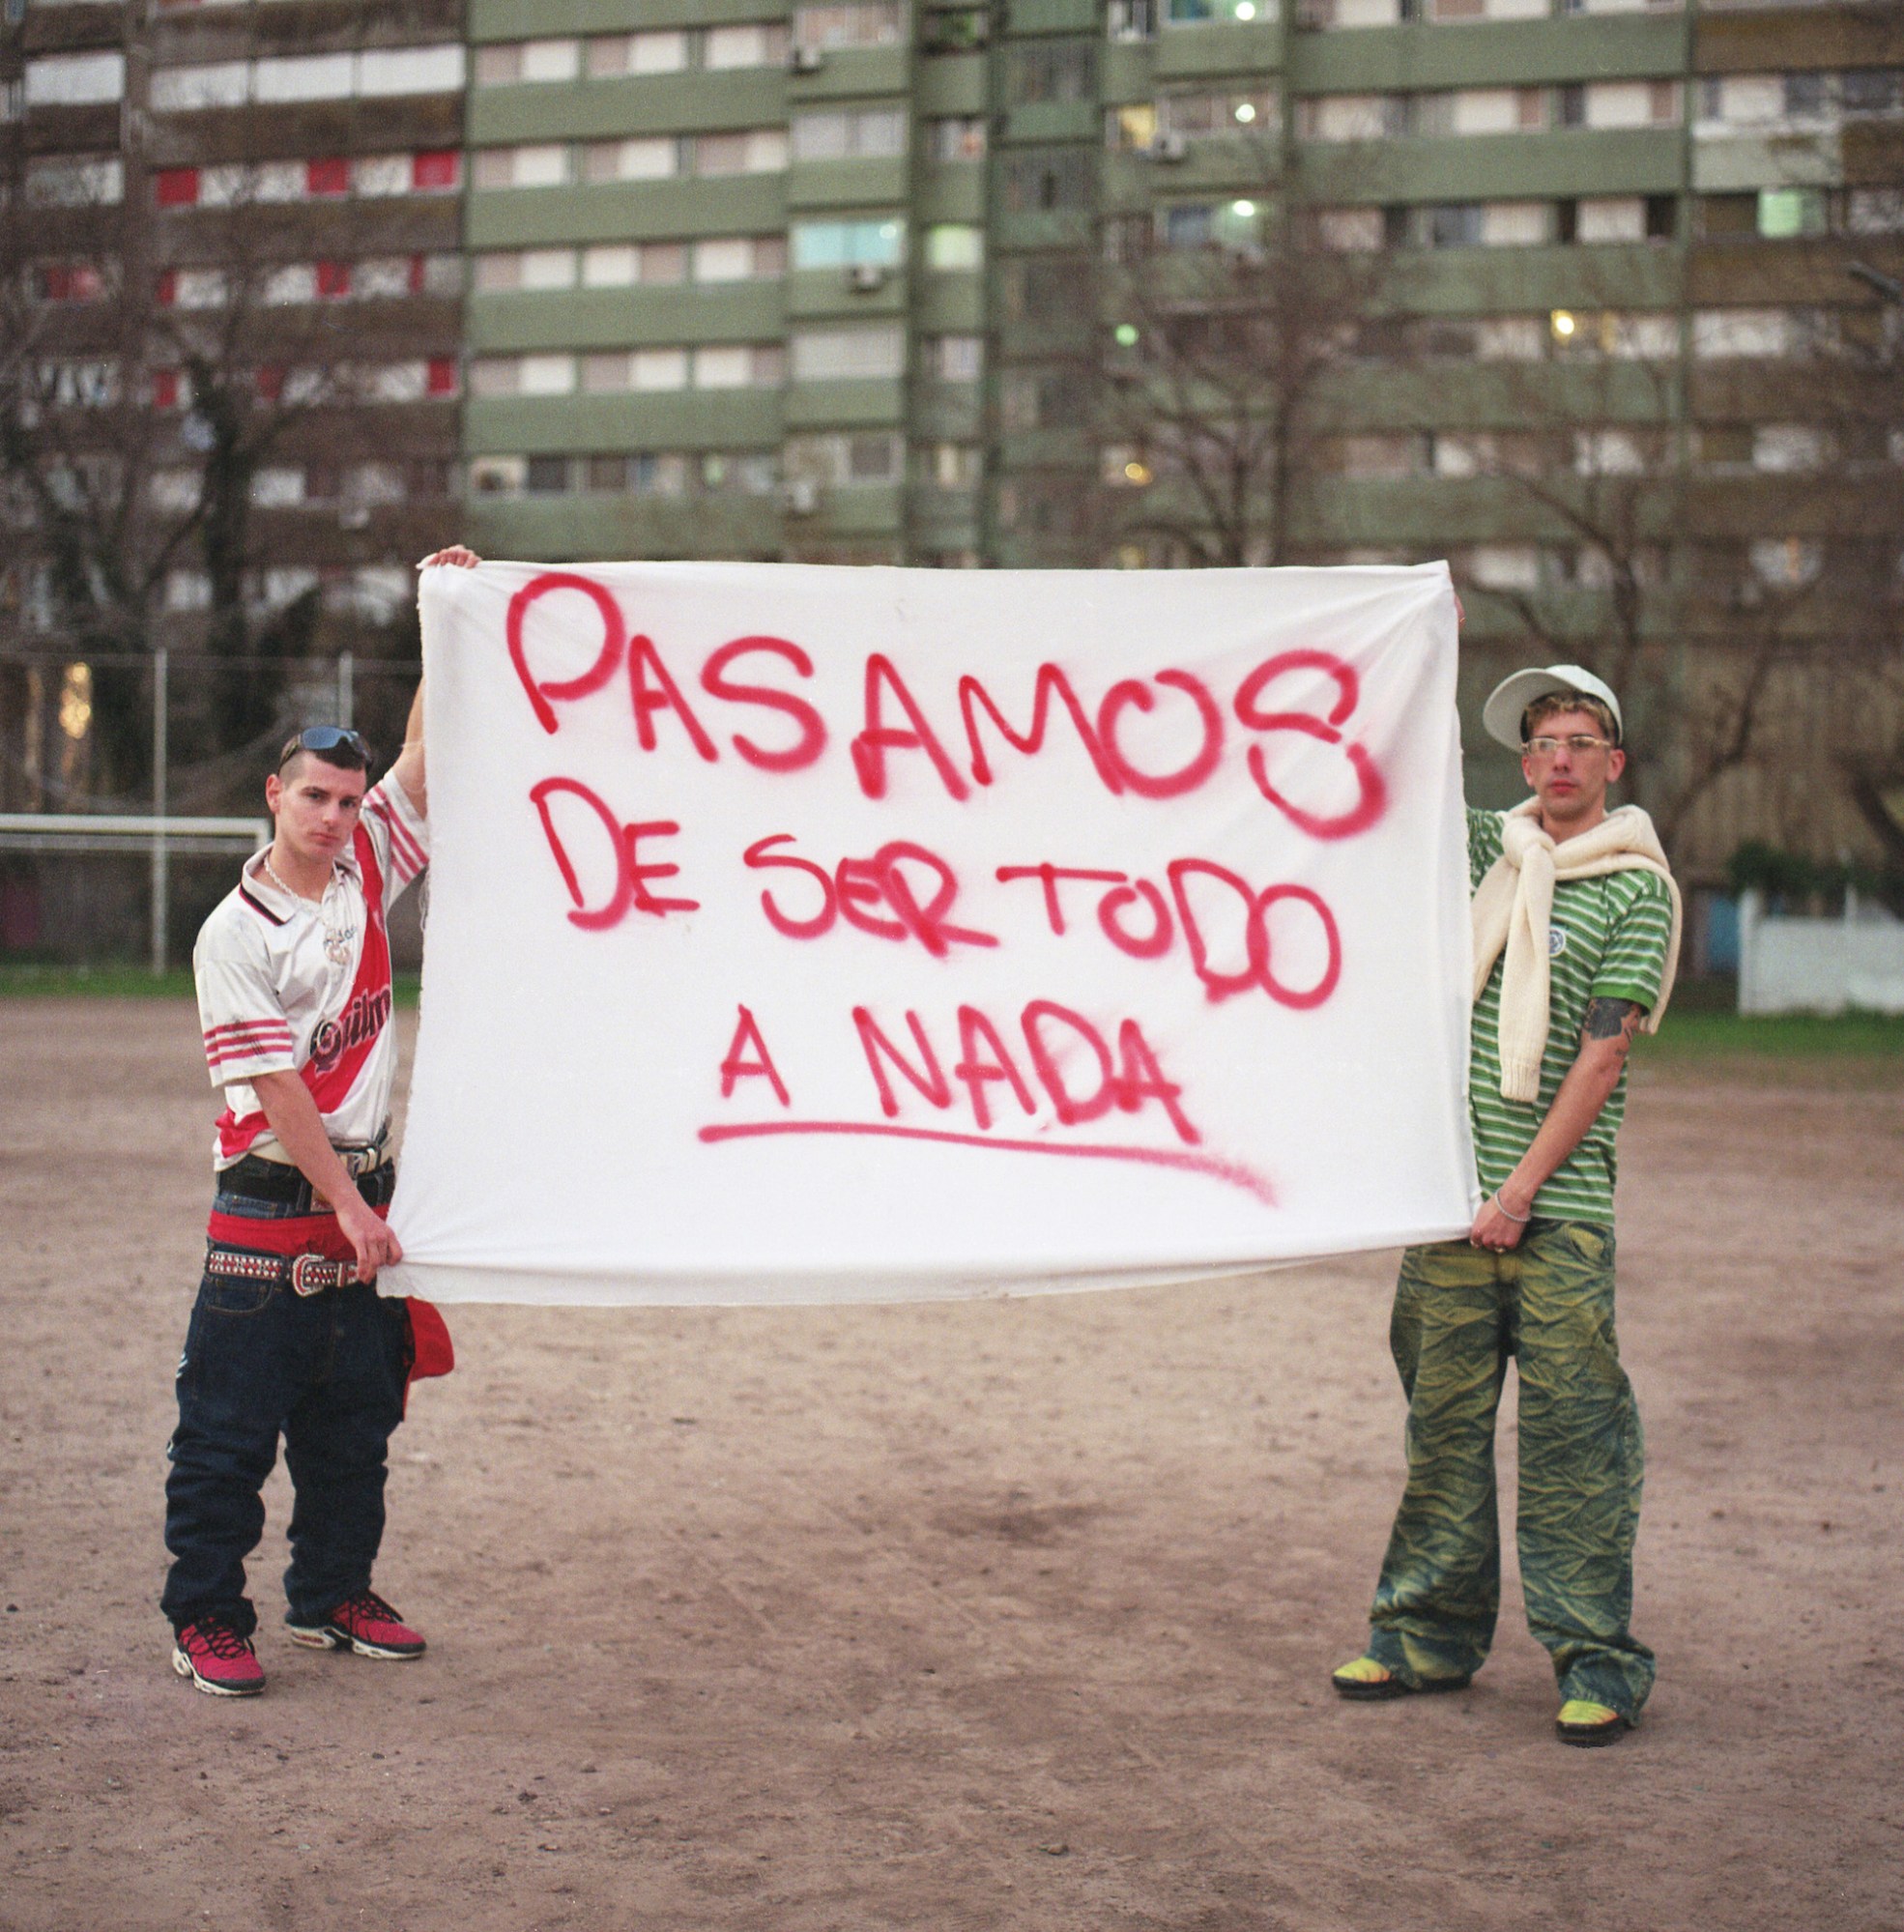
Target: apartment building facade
[(847, 281)]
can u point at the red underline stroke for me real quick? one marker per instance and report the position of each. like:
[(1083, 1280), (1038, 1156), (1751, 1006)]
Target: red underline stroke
[(1232, 1173)]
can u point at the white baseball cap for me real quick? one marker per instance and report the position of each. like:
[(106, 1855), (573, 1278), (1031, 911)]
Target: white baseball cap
[(1501, 716)]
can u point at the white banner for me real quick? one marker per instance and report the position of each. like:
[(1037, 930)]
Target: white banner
[(806, 934)]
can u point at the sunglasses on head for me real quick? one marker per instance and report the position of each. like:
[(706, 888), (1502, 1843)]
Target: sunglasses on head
[(323, 738)]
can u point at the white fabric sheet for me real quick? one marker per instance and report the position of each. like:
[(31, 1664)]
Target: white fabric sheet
[(863, 1065)]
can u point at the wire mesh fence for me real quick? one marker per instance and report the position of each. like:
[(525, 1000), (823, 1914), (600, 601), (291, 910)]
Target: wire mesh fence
[(132, 786)]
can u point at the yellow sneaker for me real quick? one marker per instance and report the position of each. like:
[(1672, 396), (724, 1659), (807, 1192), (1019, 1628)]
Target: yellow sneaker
[(1365, 1678), (1582, 1721)]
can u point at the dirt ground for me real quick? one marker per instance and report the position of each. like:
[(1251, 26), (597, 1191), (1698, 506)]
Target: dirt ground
[(1009, 1615)]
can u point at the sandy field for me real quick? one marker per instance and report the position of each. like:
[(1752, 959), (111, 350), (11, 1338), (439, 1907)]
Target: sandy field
[(1010, 1615)]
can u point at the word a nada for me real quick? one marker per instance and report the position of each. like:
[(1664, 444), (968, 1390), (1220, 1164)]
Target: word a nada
[(711, 703)]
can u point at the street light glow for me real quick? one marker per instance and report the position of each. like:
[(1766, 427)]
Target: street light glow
[(1563, 323), (1242, 210), (1246, 112), (1127, 335)]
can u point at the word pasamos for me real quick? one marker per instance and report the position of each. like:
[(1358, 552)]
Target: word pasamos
[(720, 703)]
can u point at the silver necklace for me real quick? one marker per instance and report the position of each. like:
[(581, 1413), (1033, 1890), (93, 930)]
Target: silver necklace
[(336, 939)]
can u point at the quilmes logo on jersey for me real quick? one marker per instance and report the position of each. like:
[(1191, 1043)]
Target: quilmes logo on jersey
[(1556, 941), (363, 1020)]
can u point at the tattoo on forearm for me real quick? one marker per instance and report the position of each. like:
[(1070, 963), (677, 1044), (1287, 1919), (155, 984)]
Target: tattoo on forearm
[(1609, 1018)]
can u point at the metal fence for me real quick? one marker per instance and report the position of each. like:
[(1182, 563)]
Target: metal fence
[(132, 785)]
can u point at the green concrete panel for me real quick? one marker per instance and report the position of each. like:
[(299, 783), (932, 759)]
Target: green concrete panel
[(1774, 40), (1507, 281), (1047, 341), (1224, 164), (949, 191), (1231, 49), (626, 318), (1070, 229), (1052, 16), (947, 413), (603, 530), (845, 405), (1052, 121), (1739, 162), (851, 73), (1049, 449), (950, 302), (1501, 167), (944, 520), (949, 84), (1126, 73), (1498, 53), (651, 211), (684, 420), (864, 511), (878, 186), (535, 19), (829, 291), (582, 110)]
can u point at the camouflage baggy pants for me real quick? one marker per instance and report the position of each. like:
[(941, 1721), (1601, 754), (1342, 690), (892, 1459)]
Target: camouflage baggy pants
[(1461, 1312)]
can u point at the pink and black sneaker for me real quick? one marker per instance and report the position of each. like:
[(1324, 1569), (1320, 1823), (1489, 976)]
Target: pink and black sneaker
[(218, 1660), (365, 1623)]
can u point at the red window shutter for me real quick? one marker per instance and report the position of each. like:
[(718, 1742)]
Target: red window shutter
[(442, 379), (416, 274), (164, 389), (440, 169), (168, 287), (176, 187), (331, 177), (333, 278), (55, 282), (270, 381), (86, 285)]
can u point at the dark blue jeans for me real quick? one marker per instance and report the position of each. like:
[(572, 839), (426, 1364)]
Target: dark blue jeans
[(326, 1372)]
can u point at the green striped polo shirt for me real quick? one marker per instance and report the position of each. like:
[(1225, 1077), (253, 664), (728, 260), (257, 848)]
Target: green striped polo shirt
[(1607, 941)]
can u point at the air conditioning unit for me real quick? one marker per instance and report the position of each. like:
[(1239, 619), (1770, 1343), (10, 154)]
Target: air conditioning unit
[(806, 60), (865, 277), (800, 498), (1169, 146)]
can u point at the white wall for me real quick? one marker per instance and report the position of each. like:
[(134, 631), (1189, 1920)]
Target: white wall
[(1819, 965)]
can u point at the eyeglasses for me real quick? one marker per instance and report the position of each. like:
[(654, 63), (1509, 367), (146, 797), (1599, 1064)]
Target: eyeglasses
[(321, 738), (1579, 745)]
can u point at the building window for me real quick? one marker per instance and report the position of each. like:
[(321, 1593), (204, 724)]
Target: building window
[(855, 23), (78, 181), (1038, 180), (958, 138), (954, 244), (1208, 116), (520, 61), (840, 461), (859, 355), (864, 133), (760, 151), (763, 45), (76, 80), (1062, 71), (1784, 212), (544, 165), (548, 477), (614, 54), (955, 358), (880, 242)]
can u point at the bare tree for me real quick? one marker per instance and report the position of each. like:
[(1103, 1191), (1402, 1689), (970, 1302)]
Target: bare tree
[(1232, 321)]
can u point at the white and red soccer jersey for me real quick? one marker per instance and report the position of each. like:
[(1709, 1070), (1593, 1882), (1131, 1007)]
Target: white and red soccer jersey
[(284, 984)]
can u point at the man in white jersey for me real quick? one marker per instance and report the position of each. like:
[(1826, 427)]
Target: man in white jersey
[(1576, 930), (288, 1335)]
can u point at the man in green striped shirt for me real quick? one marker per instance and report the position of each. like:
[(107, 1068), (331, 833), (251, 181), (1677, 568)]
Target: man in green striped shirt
[(1534, 1278)]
